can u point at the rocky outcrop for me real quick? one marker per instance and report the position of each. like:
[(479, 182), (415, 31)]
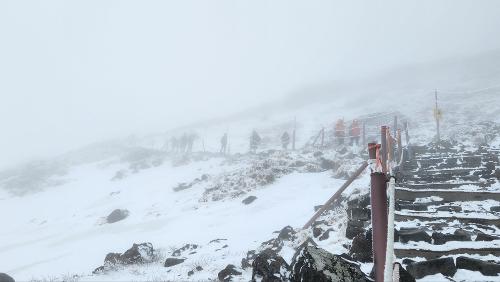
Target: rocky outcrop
[(138, 254), (445, 266), (269, 266), (6, 278), (227, 273), (459, 235), (248, 200), (169, 262), (315, 264), (117, 215), (361, 248)]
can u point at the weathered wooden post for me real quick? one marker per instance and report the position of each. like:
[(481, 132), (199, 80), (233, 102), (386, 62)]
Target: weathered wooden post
[(378, 200)]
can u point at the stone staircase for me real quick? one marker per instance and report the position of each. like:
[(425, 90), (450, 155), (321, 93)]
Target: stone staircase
[(448, 209)]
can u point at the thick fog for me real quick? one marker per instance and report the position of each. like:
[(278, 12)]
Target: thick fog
[(74, 72)]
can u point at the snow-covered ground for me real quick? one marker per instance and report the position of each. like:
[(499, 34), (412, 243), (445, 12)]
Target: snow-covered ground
[(52, 213)]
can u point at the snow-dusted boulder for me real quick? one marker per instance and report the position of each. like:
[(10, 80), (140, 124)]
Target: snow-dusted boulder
[(138, 254), (117, 215), (169, 262), (315, 264), (227, 273), (6, 278)]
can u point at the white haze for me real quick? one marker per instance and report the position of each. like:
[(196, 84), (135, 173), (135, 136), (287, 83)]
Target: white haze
[(74, 72)]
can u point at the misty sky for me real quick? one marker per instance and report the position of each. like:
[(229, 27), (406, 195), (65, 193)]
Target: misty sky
[(74, 72)]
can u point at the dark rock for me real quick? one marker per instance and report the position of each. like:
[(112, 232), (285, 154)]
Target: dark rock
[(412, 206), (495, 209), (362, 214), (485, 237), (100, 269), (117, 215), (139, 253), (227, 273), (445, 266), (450, 208), (173, 261), (269, 266), (317, 208), (354, 227), (246, 261), (204, 177), (486, 268), (185, 248), (112, 258), (361, 248), (407, 261), (315, 264), (182, 186), (327, 164), (191, 272), (317, 231), (318, 154), (199, 268), (404, 276), (286, 233), (459, 235), (6, 278), (248, 200), (414, 234), (325, 235)]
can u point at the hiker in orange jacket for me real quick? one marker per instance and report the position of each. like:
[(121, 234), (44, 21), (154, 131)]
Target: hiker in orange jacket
[(340, 131)]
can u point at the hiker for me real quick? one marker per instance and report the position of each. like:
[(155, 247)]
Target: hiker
[(340, 131), (223, 144), (355, 132), (175, 144), (254, 141), (285, 140)]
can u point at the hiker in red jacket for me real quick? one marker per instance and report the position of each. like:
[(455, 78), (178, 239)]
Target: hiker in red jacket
[(355, 132)]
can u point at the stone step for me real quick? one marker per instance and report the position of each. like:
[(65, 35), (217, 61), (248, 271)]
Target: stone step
[(462, 218), (442, 185), (441, 178), (433, 254), (446, 195)]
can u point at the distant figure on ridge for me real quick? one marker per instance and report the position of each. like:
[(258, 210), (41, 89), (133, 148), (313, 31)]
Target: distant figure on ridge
[(254, 141), (285, 140), (223, 144)]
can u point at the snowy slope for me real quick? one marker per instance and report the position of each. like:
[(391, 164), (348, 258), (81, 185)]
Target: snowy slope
[(53, 212)]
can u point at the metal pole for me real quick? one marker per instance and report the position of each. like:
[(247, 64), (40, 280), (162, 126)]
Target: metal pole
[(379, 222), (293, 135), (364, 134), (436, 114), (395, 125), (383, 149), (322, 137), (336, 195)]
